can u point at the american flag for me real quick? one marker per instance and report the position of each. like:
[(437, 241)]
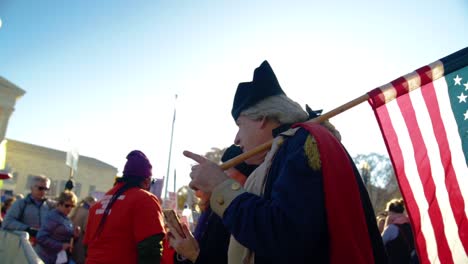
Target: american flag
[(423, 117)]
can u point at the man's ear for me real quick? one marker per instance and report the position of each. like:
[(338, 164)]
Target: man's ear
[(263, 122)]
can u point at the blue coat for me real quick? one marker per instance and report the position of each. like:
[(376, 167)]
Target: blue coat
[(55, 231), (26, 213), (213, 240), (288, 224)]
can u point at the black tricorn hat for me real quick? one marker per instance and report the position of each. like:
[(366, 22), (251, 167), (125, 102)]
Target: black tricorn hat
[(234, 151), (263, 85)]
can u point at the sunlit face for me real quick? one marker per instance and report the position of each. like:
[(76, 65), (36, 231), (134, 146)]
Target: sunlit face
[(247, 136), (66, 207), (39, 190), (252, 133)]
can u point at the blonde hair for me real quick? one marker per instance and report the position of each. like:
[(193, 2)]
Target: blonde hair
[(66, 196)]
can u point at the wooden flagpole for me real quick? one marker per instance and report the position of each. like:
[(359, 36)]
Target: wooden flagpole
[(266, 146)]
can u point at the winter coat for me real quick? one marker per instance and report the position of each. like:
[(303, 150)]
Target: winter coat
[(26, 213), (79, 219), (56, 230)]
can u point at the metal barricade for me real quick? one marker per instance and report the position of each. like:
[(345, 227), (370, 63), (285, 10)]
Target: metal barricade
[(16, 249)]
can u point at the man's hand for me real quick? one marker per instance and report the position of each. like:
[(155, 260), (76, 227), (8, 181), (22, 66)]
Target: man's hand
[(187, 247), (206, 175)]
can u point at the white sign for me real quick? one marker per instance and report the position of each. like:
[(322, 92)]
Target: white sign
[(72, 159)]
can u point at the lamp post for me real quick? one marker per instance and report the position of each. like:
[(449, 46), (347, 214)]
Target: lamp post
[(170, 153)]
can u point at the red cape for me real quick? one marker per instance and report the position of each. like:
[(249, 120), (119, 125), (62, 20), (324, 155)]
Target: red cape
[(349, 240)]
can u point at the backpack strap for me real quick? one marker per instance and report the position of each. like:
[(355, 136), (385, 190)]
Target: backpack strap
[(405, 238), (22, 208)]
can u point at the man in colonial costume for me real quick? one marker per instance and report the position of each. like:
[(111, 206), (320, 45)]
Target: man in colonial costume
[(305, 203)]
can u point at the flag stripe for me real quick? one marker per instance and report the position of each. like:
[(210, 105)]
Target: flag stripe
[(453, 207), (396, 155), (425, 173), (431, 177), (409, 182), (448, 247), (437, 170), (412, 81), (455, 144), (424, 130), (398, 143)]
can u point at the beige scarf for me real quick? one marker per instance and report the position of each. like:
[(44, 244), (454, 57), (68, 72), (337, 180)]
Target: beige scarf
[(255, 184)]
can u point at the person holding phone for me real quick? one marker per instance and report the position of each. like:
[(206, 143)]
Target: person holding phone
[(57, 230), (210, 241)]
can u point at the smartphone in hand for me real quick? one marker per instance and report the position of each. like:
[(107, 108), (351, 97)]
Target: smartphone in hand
[(171, 217)]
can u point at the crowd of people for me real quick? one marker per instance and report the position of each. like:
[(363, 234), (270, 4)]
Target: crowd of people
[(56, 237), (302, 201)]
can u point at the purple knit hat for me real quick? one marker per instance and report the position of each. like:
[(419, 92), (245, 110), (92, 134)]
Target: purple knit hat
[(137, 165)]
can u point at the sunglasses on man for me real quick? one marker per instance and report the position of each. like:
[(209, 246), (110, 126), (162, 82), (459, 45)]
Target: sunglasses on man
[(69, 205), (42, 188)]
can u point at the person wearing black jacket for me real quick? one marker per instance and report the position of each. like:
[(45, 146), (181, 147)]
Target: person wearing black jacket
[(210, 241)]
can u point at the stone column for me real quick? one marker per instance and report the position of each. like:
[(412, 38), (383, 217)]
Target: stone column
[(9, 93)]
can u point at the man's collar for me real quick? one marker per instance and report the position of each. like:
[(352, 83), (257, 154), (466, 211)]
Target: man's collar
[(32, 200), (275, 132)]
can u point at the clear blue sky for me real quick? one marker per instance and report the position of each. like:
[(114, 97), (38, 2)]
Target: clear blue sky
[(102, 75)]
